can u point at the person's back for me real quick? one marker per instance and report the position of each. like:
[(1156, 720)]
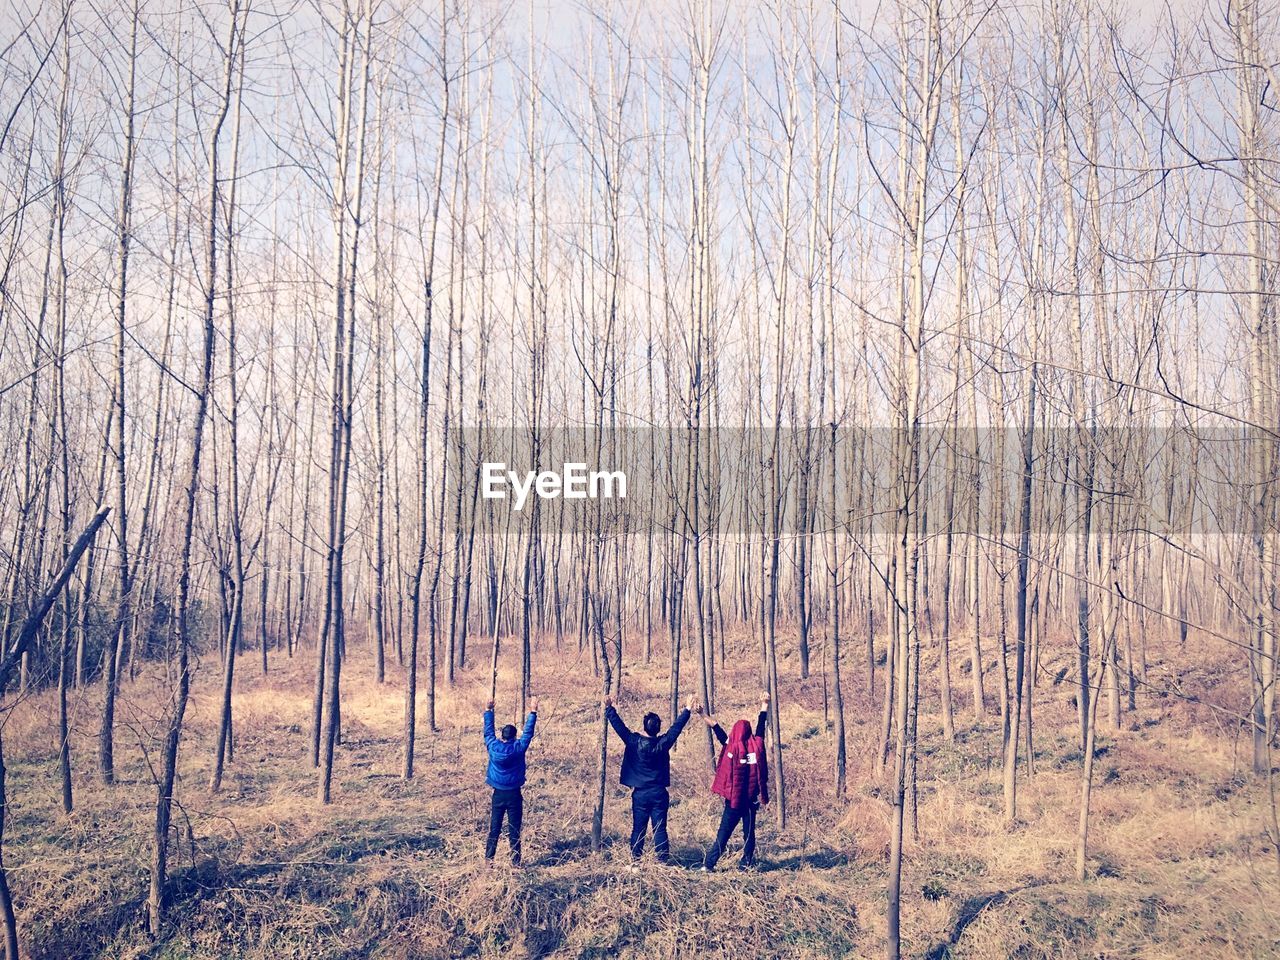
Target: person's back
[(646, 760), (507, 758)]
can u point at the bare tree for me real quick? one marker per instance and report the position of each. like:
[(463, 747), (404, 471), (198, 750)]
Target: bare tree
[(233, 50)]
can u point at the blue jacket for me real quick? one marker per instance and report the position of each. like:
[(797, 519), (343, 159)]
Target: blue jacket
[(646, 761), (506, 760)]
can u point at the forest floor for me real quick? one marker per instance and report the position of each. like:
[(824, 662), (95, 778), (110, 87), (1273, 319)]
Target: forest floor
[(1180, 863)]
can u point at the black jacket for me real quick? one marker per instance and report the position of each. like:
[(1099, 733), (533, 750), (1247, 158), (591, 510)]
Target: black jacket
[(646, 761)]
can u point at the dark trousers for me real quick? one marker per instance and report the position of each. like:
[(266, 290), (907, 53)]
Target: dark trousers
[(508, 803), (728, 822), (649, 805)]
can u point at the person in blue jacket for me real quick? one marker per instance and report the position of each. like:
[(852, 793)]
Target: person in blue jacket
[(646, 769), (506, 774)]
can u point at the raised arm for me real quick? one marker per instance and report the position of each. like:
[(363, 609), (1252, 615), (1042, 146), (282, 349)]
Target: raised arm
[(764, 715), (489, 736), (615, 721), (671, 736), (528, 725)]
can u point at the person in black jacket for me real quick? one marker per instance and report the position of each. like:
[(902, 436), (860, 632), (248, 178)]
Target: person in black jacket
[(646, 769)]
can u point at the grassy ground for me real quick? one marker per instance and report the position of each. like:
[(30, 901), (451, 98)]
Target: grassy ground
[(1181, 863)]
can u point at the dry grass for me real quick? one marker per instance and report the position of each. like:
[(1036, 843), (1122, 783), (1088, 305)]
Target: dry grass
[(393, 869)]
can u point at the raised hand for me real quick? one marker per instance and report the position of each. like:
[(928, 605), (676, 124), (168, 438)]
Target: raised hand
[(608, 700), (533, 705), (489, 706)]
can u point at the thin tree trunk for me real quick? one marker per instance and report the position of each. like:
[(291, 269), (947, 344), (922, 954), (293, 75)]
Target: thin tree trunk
[(181, 624)]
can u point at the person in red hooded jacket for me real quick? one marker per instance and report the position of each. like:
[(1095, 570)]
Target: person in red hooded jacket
[(742, 778)]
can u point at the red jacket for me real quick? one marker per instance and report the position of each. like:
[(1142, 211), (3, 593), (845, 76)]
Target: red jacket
[(742, 774)]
